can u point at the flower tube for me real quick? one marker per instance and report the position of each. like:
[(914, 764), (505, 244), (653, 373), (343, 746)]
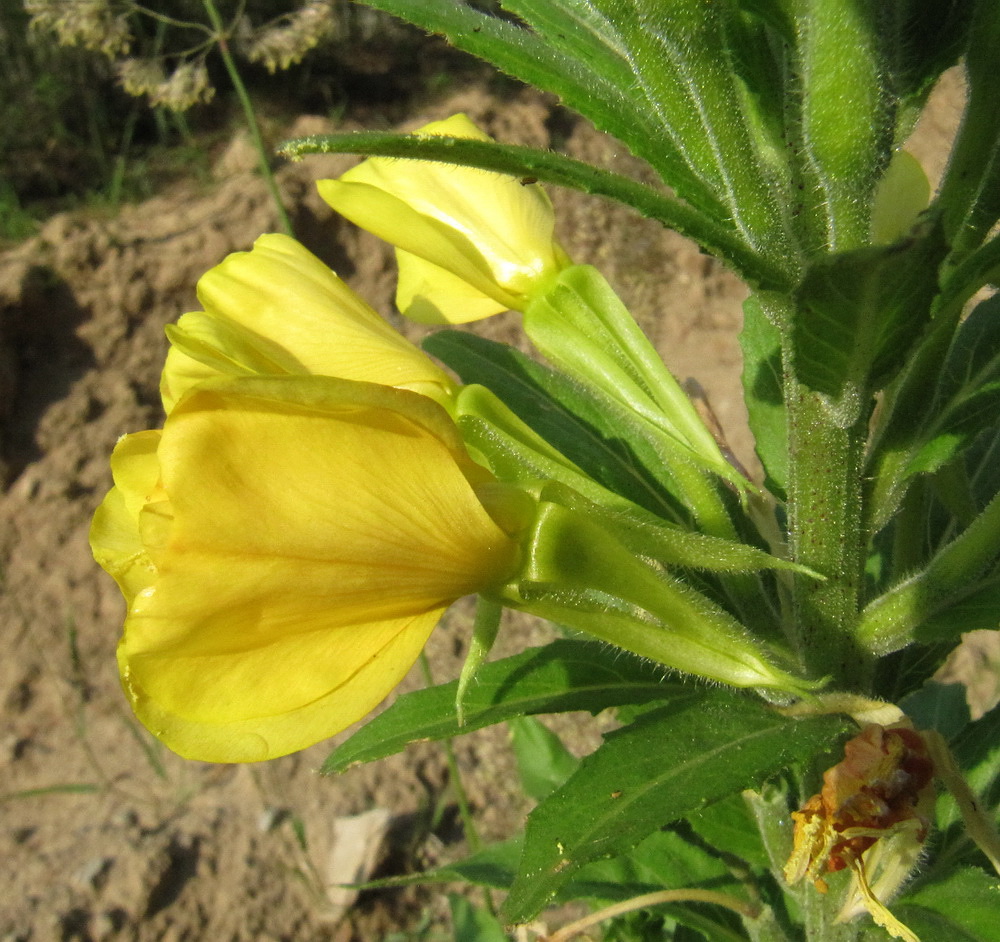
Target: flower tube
[(469, 243), (279, 310), (285, 546)]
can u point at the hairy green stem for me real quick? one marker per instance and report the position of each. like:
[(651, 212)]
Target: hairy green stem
[(249, 114), (826, 534)]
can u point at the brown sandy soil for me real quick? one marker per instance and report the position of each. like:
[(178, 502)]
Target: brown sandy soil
[(107, 835)]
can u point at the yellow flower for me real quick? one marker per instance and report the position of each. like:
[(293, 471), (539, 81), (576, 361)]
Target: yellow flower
[(286, 545), (279, 310), (470, 243)]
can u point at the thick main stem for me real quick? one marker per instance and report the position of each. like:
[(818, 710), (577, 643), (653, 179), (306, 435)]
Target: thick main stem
[(826, 534)]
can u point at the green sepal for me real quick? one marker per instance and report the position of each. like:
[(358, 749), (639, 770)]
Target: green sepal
[(847, 120), (594, 432), (581, 326), (484, 634), (514, 452), (575, 573), (646, 535)]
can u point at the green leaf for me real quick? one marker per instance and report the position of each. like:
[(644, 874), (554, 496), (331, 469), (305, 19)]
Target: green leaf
[(555, 678), (69, 788), (967, 400), (572, 50), (961, 908), (942, 707), (763, 390), (543, 761), (970, 191), (931, 36), (859, 314), (610, 51), (493, 866), (977, 753), (681, 61), (669, 763), (522, 53), (664, 860), (471, 924), (730, 827)]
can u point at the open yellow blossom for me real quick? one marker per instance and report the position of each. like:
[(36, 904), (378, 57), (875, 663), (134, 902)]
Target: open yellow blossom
[(286, 545), (279, 310), (470, 243)]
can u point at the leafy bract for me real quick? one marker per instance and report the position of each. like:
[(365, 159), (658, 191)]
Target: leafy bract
[(963, 406), (561, 676), (860, 312), (670, 762)]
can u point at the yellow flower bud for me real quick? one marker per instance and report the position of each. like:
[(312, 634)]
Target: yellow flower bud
[(279, 310), (286, 545), (470, 243)]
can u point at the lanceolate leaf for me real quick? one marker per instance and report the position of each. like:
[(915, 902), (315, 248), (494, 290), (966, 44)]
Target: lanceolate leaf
[(578, 63), (933, 35), (670, 762), (970, 191), (977, 752), (679, 59), (960, 908), (561, 676), (968, 398)]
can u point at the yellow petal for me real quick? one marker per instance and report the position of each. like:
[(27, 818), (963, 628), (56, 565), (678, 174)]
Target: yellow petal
[(488, 229), (317, 526), (429, 294), (272, 700), (114, 532), (279, 310)]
